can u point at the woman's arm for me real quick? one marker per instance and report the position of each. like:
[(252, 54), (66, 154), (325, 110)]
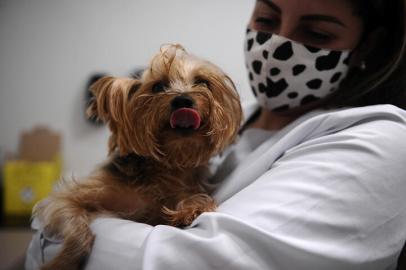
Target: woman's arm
[(332, 202)]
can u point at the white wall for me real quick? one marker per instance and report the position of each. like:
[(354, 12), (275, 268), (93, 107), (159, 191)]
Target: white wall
[(48, 49)]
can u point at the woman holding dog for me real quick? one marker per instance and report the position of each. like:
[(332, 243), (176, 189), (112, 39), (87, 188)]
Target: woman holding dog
[(317, 178)]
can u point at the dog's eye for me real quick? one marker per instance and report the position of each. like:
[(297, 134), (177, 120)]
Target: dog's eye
[(201, 81), (159, 87)]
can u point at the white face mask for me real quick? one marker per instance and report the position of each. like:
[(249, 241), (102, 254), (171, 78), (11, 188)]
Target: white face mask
[(285, 74)]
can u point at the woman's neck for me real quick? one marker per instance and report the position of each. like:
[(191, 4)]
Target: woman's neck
[(271, 121)]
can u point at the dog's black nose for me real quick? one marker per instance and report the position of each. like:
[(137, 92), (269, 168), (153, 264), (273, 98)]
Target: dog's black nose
[(182, 101)]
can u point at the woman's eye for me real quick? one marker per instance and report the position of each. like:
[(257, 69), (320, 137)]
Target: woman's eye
[(266, 24), (159, 87), (266, 21), (318, 36)]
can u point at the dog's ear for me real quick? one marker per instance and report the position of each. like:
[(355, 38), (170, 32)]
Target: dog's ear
[(110, 98), (228, 106)]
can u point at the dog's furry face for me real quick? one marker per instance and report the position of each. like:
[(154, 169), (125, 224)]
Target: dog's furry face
[(181, 112)]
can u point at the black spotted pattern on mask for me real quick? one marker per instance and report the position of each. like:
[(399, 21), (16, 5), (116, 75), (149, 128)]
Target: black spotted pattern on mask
[(303, 84), (314, 84), (257, 66), (284, 52), (274, 71), (335, 77), (312, 49), (251, 76), (250, 42), (329, 61), (263, 37), (273, 89), (262, 88), (298, 69), (308, 99), (293, 95)]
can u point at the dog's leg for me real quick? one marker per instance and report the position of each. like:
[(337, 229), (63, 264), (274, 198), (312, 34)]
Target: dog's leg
[(69, 221), (67, 215), (188, 209)]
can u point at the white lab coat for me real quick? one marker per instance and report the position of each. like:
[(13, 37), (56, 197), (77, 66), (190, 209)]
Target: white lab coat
[(326, 192)]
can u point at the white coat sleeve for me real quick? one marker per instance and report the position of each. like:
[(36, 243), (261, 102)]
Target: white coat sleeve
[(331, 202)]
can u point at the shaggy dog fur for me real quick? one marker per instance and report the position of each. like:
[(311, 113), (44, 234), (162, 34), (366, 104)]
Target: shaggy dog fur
[(165, 127)]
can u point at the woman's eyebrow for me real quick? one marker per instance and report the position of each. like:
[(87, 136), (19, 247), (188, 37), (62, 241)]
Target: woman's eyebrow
[(271, 5), (326, 18), (311, 17)]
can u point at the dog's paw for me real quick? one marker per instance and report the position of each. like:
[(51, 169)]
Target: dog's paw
[(180, 218), (189, 209)]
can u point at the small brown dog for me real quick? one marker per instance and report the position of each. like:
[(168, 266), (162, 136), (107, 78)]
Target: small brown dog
[(165, 127)]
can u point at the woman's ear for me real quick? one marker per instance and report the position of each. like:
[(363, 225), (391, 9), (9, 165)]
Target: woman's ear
[(366, 46)]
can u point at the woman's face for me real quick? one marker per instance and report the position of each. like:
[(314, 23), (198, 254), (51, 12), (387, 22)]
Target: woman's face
[(329, 24)]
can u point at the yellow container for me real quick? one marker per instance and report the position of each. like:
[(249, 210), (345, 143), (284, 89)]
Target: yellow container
[(27, 182)]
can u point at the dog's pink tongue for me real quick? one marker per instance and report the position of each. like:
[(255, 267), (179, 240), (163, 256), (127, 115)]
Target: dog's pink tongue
[(185, 118)]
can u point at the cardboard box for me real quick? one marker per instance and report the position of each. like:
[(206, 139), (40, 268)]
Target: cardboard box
[(33, 175)]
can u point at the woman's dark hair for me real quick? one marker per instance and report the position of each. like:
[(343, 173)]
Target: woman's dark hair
[(383, 81)]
